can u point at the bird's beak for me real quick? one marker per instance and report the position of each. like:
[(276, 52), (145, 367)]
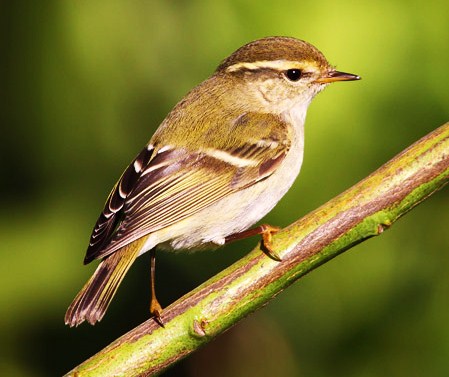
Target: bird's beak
[(333, 76)]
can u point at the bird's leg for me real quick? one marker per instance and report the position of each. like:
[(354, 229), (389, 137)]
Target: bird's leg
[(266, 231), (155, 307)]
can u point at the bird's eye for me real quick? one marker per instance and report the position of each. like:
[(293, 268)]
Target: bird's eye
[(293, 74)]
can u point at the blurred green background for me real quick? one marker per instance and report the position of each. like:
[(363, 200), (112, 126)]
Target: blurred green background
[(84, 85)]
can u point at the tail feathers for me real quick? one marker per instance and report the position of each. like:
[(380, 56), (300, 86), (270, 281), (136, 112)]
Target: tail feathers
[(92, 301)]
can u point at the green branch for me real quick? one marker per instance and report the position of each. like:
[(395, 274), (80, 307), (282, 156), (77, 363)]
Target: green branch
[(363, 211)]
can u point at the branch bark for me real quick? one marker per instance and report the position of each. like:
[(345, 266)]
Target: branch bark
[(363, 211)]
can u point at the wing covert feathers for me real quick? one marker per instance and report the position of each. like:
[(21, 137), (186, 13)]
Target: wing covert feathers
[(164, 184)]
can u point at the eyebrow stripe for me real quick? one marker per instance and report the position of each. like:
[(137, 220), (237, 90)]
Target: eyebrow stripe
[(278, 65)]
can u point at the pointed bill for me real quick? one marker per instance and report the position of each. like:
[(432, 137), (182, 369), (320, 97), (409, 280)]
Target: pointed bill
[(333, 76)]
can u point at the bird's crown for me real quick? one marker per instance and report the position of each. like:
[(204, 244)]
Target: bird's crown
[(261, 52)]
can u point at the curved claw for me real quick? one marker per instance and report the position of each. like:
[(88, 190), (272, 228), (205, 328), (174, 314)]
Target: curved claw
[(267, 232), (156, 311)]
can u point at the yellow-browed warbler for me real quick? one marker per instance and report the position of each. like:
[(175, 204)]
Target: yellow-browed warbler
[(219, 162)]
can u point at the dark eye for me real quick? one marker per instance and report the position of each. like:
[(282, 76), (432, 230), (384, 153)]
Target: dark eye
[(293, 74)]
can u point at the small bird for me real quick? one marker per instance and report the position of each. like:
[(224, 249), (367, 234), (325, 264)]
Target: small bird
[(219, 162)]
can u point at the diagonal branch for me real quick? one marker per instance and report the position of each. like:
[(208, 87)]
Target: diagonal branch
[(363, 211)]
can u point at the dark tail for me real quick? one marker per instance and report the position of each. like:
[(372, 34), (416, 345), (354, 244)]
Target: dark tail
[(91, 303)]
